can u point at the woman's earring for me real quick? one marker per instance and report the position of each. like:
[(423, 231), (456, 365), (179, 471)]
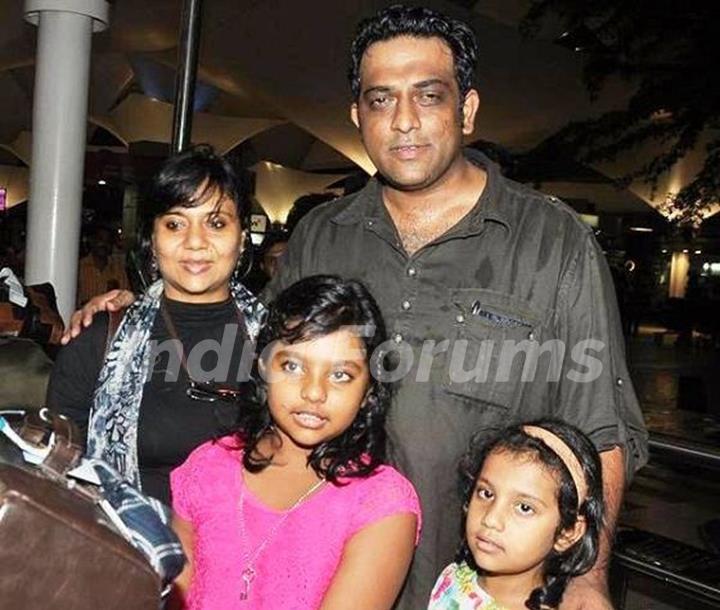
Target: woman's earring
[(154, 268)]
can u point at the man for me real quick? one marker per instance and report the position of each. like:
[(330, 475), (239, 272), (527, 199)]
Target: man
[(457, 255), (272, 255), (99, 271), (269, 259), (463, 263)]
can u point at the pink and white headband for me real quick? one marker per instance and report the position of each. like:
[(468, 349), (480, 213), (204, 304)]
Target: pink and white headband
[(566, 455)]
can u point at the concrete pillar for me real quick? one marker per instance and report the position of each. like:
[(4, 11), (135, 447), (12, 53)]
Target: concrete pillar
[(130, 217), (62, 70)]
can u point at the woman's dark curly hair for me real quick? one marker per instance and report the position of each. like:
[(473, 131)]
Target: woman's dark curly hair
[(418, 22), (559, 568), (311, 308), (177, 183)]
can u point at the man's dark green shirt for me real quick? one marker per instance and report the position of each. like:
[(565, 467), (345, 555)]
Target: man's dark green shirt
[(509, 316)]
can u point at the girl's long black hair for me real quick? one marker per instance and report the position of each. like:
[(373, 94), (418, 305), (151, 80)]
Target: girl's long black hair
[(315, 307), (559, 568)]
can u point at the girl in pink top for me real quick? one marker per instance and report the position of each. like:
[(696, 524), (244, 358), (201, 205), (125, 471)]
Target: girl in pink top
[(297, 510)]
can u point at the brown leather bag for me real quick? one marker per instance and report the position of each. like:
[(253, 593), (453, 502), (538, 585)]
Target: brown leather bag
[(57, 548)]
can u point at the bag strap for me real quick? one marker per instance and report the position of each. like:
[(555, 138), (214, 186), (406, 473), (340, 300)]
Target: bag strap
[(114, 320), (66, 451)]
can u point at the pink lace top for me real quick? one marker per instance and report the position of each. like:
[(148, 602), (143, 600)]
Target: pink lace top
[(296, 567)]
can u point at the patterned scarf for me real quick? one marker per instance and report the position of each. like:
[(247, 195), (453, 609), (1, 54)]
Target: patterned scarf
[(113, 425)]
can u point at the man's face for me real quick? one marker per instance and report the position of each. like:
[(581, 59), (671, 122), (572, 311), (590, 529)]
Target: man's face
[(409, 111), (272, 258), (102, 244)]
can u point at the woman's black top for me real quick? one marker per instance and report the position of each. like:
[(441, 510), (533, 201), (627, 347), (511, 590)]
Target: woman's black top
[(171, 424)]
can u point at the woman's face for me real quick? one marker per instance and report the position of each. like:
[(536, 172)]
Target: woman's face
[(197, 249)]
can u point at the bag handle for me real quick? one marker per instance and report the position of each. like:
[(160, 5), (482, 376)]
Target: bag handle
[(66, 450)]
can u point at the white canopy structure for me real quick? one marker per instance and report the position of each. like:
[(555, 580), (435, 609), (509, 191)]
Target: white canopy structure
[(265, 64)]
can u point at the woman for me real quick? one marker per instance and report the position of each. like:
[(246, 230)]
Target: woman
[(168, 380)]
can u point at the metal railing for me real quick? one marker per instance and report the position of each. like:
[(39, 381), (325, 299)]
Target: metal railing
[(687, 571), (665, 445)]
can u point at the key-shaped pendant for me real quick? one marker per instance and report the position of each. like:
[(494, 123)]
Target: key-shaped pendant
[(248, 575)]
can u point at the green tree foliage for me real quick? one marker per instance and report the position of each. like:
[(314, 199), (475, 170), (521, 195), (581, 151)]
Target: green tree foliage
[(669, 52)]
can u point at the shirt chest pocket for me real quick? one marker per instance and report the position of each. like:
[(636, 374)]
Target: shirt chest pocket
[(493, 340)]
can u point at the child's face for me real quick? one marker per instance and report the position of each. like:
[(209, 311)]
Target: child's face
[(513, 516), (315, 388)]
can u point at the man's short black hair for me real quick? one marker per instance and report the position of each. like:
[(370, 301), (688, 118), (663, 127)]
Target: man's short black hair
[(399, 20)]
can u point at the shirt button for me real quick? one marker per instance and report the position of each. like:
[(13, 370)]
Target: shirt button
[(412, 272), (397, 337), (460, 318), (370, 223), (619, 382), (406, 305)]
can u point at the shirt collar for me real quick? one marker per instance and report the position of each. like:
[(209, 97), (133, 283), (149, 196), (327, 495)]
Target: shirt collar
[(491, 205), (364, 204), (368, 201)]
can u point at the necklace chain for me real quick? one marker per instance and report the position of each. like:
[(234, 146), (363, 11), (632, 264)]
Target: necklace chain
[(248, 573)]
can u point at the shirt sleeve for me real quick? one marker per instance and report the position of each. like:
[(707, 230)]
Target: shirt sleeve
[(74, 375), (596, 393), (384, 494)]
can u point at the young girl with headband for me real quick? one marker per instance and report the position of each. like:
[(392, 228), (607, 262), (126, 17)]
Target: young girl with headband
[(298, 510), (533, 513)]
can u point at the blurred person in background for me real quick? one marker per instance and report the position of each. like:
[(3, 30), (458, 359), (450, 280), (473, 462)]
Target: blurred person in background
[(100, 271)]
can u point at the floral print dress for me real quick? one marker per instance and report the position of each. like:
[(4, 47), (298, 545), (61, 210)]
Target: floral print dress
[(457, 589)]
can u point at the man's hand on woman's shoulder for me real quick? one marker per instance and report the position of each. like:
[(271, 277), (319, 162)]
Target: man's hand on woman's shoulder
[(82, 318)]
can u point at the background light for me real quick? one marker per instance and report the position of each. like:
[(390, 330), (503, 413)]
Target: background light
[(641, 229)]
